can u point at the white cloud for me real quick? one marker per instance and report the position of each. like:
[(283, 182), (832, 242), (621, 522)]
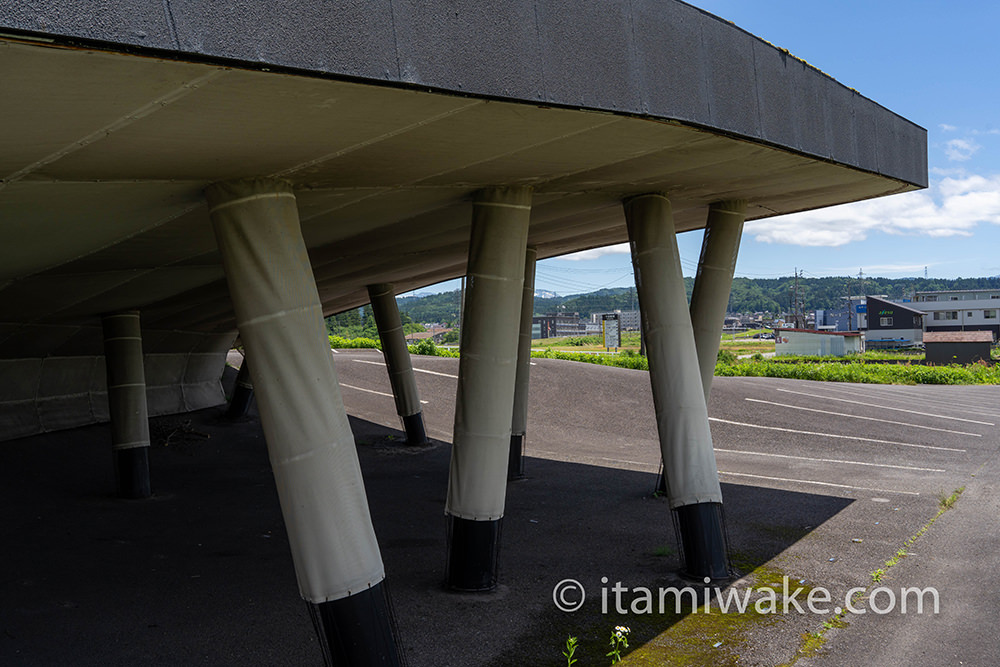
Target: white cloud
[(960, 150), (953, 172), (947, 128), (960, 205), (594, 253)]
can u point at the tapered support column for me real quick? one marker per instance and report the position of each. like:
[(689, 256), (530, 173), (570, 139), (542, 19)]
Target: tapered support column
[(519, 423), (397, 361), (309, 440), (710, 297), (239, 404), (485, 399), (681, 416), (127, 403)]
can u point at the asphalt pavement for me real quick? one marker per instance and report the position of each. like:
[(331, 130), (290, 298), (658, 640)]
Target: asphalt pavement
[(822, 484)]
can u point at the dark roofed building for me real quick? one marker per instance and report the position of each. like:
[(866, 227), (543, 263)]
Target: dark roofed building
[(957, 347), (892, 324)]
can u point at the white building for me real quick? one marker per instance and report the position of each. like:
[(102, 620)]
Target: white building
[(809, 342), (960, 310)]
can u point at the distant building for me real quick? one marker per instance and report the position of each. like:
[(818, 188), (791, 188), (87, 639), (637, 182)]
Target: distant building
[(810, 342), (892, 324), (434, 333), (629, 319), (852, 315), (556, 325), (957, 347), (960, 310)]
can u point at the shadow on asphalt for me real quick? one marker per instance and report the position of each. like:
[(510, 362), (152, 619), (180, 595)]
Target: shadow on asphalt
[(202, 572)]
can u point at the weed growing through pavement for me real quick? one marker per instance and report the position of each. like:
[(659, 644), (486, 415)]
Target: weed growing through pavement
[(569, 651), (947, 502), (618, 642), (812, 642)]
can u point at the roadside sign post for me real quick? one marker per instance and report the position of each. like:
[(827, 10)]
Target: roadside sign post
[(612, 328)]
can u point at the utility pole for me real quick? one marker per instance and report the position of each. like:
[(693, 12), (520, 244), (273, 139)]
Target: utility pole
[(798, 304), (798, 325), (861, 291), (850, 305)]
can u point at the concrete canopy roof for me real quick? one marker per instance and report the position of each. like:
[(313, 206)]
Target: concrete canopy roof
[(386, 117)]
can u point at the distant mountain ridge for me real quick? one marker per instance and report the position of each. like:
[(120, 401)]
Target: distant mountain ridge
[(748, 295)]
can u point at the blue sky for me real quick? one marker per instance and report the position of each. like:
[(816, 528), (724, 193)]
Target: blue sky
[(935, 63)]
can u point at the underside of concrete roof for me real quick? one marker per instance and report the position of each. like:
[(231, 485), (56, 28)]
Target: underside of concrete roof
[(385, 117)]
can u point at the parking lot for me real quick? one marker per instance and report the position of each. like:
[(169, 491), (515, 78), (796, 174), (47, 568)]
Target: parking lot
[(878, 458), (822, 483)]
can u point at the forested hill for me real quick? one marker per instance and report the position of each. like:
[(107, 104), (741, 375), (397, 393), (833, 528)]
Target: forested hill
[(748, 295)]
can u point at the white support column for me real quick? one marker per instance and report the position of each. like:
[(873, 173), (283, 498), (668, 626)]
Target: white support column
[(309, 439), (692, 479), (487, 372), (397, 361), (710, 297), (519, 423), (127, 403)]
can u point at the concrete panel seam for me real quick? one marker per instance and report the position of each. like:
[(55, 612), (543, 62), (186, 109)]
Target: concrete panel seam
[(250, 198), (522, 207), (264, 318)]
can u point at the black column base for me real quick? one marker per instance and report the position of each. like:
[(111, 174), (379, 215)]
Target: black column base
[(239, 404), (414, 427), (515, 463), (242, 397), (357, 631), (473, 554), (703, 541), (132, 472)]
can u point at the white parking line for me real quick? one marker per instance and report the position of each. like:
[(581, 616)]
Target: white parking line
[(415, 370), (913, 398), (622, 464), (850, 416), (444, 375), (841, 461), (372, 391), (806, 481), (882, 407), (833, 435)]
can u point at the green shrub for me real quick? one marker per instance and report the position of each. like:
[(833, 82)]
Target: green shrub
[(621, 360), (860, 372), (851, 370), (725, 357), (354, 343), (427, 348)]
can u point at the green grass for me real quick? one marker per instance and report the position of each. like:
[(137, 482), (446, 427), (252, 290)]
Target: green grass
[(861, 372), (850, 369), (627, 359), (336, 342), (427, 348), (871, 355)]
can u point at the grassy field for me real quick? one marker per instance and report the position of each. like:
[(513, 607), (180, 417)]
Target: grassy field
[(741, 344), (868, 368)]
